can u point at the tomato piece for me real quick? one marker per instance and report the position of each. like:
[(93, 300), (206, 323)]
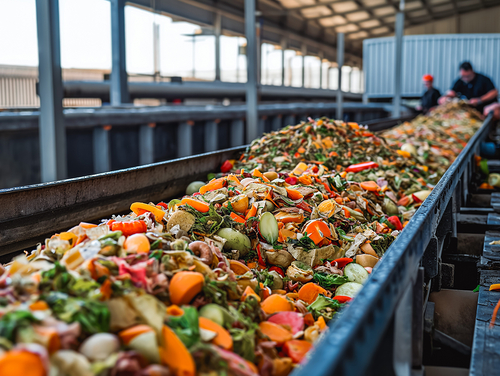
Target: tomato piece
[(129, 227), (341, 262), (292, 180), (342, 298), (297, 349), (163, 205), (226, 166), (394, 220)]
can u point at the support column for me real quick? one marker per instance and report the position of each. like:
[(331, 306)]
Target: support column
[(217, 32), (52, 133), (211, 135), (101, 154), (156, 50), (237, 133), (276, 122), (304, 53), (252, 67), (119, 86), (340, 63), (398, 49), (321, 70), (185, 139), (147, 143), (283, 48)]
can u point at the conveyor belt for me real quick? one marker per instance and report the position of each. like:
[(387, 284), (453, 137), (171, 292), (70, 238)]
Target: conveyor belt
[(381, 314)]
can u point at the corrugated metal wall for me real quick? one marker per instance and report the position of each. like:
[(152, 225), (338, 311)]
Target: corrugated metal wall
[(439, 55)]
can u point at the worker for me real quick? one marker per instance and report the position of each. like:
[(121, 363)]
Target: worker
[(431, 95), (495, 108), (475, 87)]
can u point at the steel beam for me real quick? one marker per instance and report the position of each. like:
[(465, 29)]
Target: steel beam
[(100, 147), (398, 54), (147, 143), (252, 66), (217, 33), (119, 85), (52, 131), (321, 70), (156, 51), (340, 63)]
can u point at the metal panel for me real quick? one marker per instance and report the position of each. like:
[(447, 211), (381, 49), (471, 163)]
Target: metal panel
[(439, 55)]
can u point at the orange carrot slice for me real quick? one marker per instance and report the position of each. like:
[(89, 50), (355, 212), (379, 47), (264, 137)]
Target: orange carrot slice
[(202, 207), (275, 332), (223, 338), (310, 291)]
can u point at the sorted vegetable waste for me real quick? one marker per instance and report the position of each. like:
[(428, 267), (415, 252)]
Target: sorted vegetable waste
[(239, 277)]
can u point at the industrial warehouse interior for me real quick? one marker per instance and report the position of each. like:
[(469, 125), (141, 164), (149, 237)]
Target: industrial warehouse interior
[(249, 187)]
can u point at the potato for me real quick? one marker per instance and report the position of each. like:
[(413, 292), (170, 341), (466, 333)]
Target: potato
[(366, 260), (235, 240), (194, 187), (279, 257), (184, 219), (271, 175)]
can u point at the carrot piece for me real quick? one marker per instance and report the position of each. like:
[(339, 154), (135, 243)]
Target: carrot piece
[(275, 332), (494, 316), (282, 366), (317, 230), (495, 286), (276, 303), (140, 208), (21, 362), (297, 349), (87, 225), (321, 323), (370, 186), (285, 217), (202, 207), (308, 319), (252, 265), (343, 174), (175, 310), (238, 267), (175, 355), (294, 194), (347, 213), (235, 217), (49, 337), (306, 180), (249, 292), (404, 201), (213, 185), (310, 291), (127, 335), (233, 178), (106, 290), (259, 174), (39, 305), (223, 338), (184, 286), (137, 243), (251, 212)]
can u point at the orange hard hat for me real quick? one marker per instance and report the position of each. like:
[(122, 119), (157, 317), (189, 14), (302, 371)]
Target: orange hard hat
[(427, 77)]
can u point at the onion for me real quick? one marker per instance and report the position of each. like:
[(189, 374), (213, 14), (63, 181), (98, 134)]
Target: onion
[(409, 148)]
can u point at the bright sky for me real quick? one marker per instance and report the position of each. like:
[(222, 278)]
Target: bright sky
[(86, 43)]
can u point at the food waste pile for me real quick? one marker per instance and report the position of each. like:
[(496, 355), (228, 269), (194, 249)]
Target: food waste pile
[(239, 277)]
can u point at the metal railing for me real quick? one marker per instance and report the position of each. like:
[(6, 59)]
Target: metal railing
[(109, 138)]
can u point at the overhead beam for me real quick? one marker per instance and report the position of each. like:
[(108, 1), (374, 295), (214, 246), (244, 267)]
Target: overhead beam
[(252, 131)]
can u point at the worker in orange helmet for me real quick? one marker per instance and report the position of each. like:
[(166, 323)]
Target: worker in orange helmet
[(431, 95)]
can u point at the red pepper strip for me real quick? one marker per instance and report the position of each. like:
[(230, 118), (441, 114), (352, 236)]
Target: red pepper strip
[(326, 185), (278, 270), (163, 205), (342, 298), (361, 166), (259, 254), (304, 206), (341, 262), (394, 220)]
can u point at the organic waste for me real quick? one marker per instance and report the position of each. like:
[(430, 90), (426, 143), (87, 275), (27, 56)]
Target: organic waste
[(242, 276)]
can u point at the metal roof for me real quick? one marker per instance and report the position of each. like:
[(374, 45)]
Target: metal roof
[(313, 24)]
